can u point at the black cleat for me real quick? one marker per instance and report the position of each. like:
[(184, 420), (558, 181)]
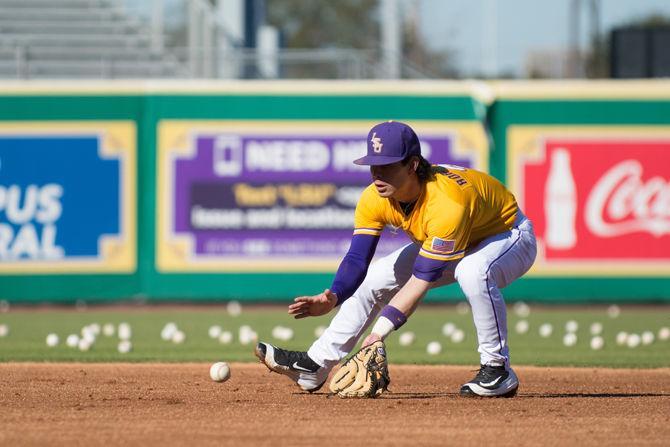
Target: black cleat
[(492, 381), (296, 365)]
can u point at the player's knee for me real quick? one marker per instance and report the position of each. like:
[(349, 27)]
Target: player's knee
[(471, 274)]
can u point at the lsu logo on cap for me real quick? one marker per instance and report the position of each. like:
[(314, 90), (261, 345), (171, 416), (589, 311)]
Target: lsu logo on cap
[(376, 143), (442, 245)]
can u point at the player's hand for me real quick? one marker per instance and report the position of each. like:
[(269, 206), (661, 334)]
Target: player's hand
[(313, 306), (370, 339)]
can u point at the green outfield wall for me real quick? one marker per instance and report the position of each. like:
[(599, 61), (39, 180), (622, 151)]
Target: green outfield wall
[(245, 190)]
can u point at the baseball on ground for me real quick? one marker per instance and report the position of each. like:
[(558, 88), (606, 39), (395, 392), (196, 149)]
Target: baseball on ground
[(219, 372)]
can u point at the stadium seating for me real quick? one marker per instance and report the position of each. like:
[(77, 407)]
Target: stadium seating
[(74, 39)]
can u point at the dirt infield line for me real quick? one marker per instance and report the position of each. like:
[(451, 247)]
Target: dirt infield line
[(177, 404)]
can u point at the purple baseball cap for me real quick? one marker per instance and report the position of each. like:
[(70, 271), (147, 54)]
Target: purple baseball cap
[(390, 142)]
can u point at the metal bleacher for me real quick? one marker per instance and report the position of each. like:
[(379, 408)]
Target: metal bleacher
[(77, 39)]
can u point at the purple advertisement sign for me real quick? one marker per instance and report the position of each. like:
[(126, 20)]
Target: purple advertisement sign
[(245, 196)]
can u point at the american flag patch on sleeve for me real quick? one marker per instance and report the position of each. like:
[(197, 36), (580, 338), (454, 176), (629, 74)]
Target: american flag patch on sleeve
[(442, 245)]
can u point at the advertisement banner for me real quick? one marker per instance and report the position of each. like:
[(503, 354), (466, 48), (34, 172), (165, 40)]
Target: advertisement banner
[(276, 195), (67, 197), (599, 197)]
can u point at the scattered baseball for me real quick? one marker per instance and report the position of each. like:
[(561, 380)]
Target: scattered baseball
[(282, 333), (448, 329), (462, 308), (545, 330), (94, 328), (124, 331), (219, 372), (4, 330), (247, 335), (521, 326), (664, 333), (633, 341), (647, 338), (72, 340), (613, 311), (52, 340), (125, 346), (434, 348), (571, 326), (521, 309), (178, 337), (621, 338), (234, 308), (84, 344), (458, 336), (570, 339), (406, 338), (596, 328), (108, 329), (214, 331), (226, 337), (168, 331), (597, 343), (318, 332)]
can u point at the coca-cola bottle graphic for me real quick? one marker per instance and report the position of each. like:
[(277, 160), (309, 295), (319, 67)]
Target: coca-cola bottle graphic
[(560, 198)]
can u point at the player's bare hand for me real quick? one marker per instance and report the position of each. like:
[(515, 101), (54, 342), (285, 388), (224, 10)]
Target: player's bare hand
[(313, 306), (371, 339)]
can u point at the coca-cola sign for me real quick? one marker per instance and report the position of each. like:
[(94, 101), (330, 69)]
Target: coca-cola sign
[(598, 204)]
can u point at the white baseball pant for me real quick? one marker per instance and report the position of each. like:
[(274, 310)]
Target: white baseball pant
[(485, 269)]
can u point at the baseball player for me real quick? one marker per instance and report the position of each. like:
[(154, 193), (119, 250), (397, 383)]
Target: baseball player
[(466, 227)]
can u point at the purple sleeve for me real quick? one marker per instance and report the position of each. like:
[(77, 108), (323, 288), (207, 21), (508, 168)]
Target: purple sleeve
[(428, 269), (354, 266)]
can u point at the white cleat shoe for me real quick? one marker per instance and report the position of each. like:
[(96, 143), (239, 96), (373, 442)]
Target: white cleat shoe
[(296, 365), (492, 381)]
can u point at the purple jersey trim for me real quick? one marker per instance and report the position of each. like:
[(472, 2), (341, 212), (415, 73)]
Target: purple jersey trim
[(394, 315), (428, 269), (354, 266)]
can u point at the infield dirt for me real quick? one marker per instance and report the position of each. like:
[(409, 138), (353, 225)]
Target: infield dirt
[(177, 404)]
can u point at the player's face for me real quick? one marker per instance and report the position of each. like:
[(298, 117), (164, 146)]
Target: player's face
[(392, 180)]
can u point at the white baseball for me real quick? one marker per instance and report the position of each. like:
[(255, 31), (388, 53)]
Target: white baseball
[(596, 328), (234, 308), (214, 331), (108, 329), (52, 340), (621, 338), (434, 348), (226, 337), (84, 344), (124, 346), (4, 330), (521, 326), (597, 343), (219, 372), (458, 336), (545, 330), (613, 311), (633, 340), (462, 308), (522, 309), (178, 337), (448, 329), (571, 326), (570, 339), (168, 331), (406, 338), (664, 333), (125, 332), (72, 340), (647, 338)]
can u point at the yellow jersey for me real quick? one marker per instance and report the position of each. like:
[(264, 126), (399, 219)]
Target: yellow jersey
[(457, 208)]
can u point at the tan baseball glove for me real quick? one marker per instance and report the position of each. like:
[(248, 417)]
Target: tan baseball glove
[(365, 374)]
